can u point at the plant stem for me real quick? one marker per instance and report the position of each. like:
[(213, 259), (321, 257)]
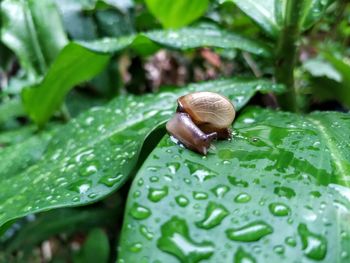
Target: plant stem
[(287, 51)]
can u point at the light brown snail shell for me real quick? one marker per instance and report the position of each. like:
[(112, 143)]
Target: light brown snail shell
[(200, 118)]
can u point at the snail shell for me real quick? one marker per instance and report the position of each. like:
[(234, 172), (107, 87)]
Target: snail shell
[(201, 117), (208, 108)]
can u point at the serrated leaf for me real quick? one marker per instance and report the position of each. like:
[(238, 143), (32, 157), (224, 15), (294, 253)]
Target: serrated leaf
[(34, 32), (94, 154), (181, 39), (74, 65), (278, 192), (175, 14)]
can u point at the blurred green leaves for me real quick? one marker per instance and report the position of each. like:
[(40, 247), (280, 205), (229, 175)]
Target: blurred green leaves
[(179, 13), (34, 32), (330, 77), (74, 65), (270, 14)]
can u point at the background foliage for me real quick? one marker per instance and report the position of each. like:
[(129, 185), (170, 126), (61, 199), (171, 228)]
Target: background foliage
[(88, 173)]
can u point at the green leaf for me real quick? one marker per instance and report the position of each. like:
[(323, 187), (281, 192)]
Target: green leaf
[(94, 154), (277, 192), (318, 67), (175, 14), (331, 78), (10, 109), (33, 31), (182, 39), (59, 221), (270, 14), (74, 65), (95, 248)]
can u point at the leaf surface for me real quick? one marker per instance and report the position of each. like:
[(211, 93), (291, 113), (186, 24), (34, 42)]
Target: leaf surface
[(181, 39), (277, 192), (94, 154)]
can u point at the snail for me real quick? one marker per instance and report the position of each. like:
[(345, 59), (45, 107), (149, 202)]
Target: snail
[(200, 118)]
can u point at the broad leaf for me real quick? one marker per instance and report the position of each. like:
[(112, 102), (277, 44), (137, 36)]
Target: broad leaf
[(94, 154), (33, 30), (270, 14), (182, 39), (74, 65), (277, 192), (175, 14)]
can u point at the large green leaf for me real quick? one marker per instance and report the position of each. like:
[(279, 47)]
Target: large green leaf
[(175, 14), (94, 154), (74, 65), (33, 30), (270, 14), (277, 192), (182, 39)]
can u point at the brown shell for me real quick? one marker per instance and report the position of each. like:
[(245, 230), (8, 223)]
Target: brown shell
[(208, 108)]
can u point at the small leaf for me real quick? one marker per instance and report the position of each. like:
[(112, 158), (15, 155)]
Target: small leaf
[(179, 13), (280, 192), (94, 154), (74, 65), (33, 30), (182, 39)]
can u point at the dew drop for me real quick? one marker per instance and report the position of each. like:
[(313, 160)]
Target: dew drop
[(181, 200), (279, 209), (155, 195), (220, 190), (199, 195), (146, 233), (139, 212), (314, 245), (279, 249), (242, 198), (290, 241), (136, 247), (283, 191), (111, 180), (175, 240), (251, 232), (214, 215), (242, 256)]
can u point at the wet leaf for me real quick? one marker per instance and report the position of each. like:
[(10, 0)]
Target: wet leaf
[(181, 39), (93, 155), (175, 14), (277, 192), (34, 32)]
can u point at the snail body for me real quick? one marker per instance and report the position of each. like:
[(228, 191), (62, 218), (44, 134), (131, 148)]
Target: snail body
[(201, 117)]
